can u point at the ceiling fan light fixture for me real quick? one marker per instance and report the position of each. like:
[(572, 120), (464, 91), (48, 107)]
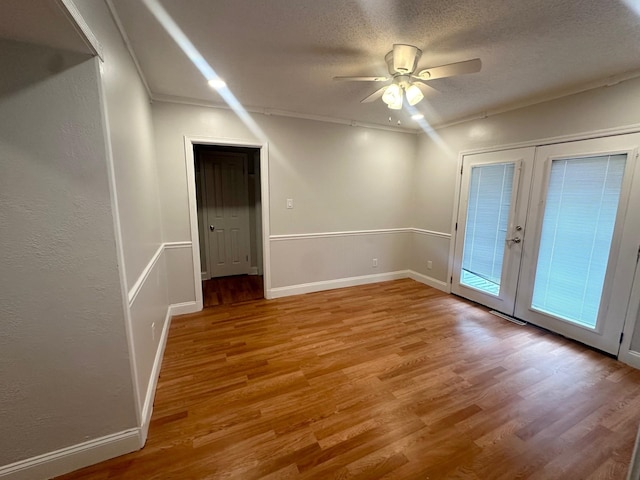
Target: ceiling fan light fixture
[(414, 95), (392, 95), (397, 104)]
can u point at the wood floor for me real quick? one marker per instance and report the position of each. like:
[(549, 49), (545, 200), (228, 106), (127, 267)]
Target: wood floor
[(230, 290), (393, 380)]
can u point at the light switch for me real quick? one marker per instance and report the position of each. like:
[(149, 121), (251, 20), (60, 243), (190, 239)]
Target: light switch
[(289, 202)]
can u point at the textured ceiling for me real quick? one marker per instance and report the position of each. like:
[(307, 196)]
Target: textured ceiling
[(282, 54)]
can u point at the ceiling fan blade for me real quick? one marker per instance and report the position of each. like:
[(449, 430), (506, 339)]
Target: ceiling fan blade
[(443, 71), (425, 88), (374, 96), (361, 79)]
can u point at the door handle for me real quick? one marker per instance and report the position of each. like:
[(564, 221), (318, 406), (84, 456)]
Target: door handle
[(212, 228), (514, 240)]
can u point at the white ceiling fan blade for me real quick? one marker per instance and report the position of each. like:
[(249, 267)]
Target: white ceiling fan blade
[(423, 85), (375, 95), (361, 79), (443, 71), (426, 89)]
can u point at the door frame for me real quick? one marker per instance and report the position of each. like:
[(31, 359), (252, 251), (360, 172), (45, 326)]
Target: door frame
[(625, 353), (605, 328), (189, 143), (505, 301)]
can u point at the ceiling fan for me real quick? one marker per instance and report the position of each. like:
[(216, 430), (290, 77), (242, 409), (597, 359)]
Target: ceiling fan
[(402, 62)]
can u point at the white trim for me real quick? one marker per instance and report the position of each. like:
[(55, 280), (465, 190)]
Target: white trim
[(431, 233), (184, 244), (147, 409), (574, 137), (266, 222), (337, 283), (253, 271), (189, 142), (432, 282), (122, 271), (350, 233), (80, 25), (299, 236), (605, 82), (127, 42), (183, 308), (72, 458), (157, 97), (135, 290), (630, 358)]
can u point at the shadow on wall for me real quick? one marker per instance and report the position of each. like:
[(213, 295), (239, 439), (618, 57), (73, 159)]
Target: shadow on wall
[(43, 62)]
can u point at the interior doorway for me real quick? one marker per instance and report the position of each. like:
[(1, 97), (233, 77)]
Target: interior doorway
[(228, 198)]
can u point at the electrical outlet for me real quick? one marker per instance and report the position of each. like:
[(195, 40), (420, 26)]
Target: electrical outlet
[(375, 262), (153, 331), (429, 265)]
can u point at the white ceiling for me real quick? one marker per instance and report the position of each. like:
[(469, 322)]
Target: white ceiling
[(282, 54)]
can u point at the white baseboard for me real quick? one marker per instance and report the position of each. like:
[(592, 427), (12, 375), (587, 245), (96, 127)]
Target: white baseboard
[(630, 358), (253, 271), (432, 282), (72, 458), (338, 283), (184, 308)]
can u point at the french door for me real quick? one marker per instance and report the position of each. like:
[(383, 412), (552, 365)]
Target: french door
[(491, 221), (560, 258)]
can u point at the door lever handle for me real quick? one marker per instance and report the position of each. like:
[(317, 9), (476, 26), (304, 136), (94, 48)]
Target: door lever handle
[(212, 228)]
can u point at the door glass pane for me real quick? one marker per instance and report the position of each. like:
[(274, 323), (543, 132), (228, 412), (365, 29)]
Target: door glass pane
[(488, 209), (577, 230)]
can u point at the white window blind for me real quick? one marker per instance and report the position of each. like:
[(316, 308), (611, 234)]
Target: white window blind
[(488, 208), (577, 230)]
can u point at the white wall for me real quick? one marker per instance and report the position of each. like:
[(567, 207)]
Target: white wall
[(64, 360), (130, 130), (341, 179)]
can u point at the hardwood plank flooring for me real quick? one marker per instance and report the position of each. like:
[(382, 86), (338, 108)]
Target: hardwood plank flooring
[(230, 290), (394, 380)]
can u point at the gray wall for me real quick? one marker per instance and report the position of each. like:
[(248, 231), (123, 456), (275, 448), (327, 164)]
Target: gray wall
[(130, 131), (341, 179), (64, 366)]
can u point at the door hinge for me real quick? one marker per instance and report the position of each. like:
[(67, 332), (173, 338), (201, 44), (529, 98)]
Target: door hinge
[(451, 279), (638, 257), (247, 258), (461, 168), (456, 226), (621, 336)]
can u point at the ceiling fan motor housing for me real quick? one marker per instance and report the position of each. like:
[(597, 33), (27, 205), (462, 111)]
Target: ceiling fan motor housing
[(403, 59)]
